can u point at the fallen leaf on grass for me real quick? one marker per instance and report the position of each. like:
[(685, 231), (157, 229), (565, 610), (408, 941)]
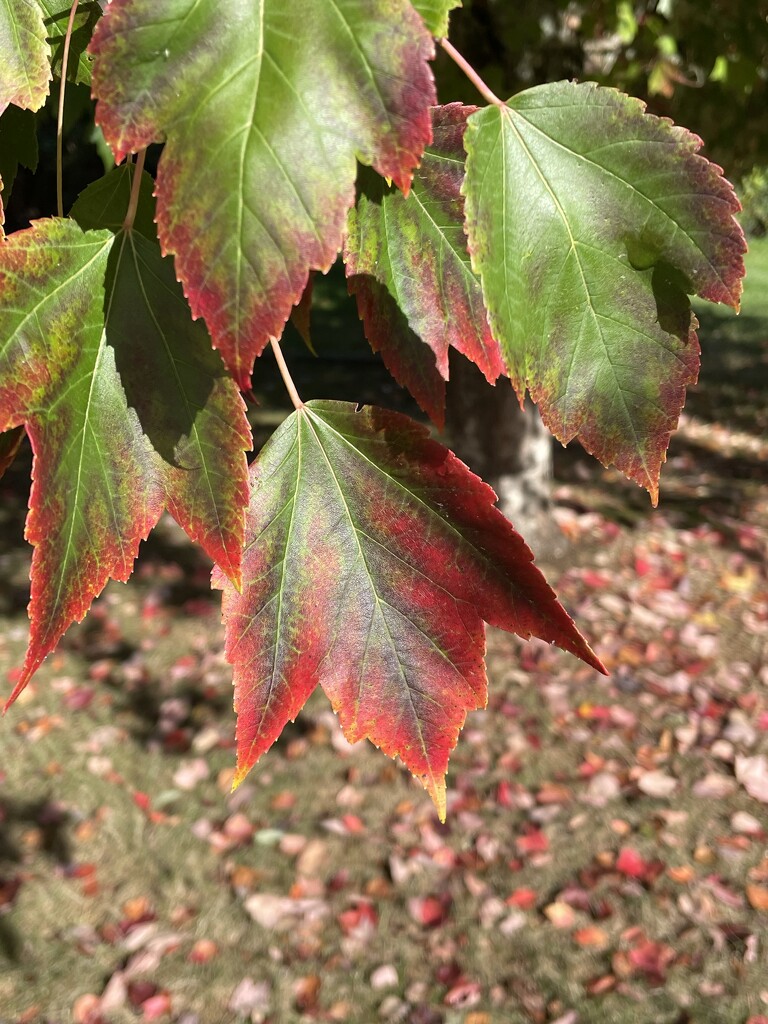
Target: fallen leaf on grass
[(282, 912), (592, 936), (752, 773), (657, 784), (429, 911), (561, 915), (758, 897), (250, 998)]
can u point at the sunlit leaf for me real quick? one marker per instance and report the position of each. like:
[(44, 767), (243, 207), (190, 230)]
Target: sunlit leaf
[(589, 221), (372, 558), (264, 113)]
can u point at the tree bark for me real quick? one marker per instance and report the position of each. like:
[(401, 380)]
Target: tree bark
[(509, 447)]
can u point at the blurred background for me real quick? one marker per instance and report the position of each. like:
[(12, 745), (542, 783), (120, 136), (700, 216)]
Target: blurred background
[(604, 857)]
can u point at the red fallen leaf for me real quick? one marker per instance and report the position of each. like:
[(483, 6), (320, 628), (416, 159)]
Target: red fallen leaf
[(141, 800), (144, 803), (358, 920), (535, 841), (631, 863), (156, 1006), (464, 995), (9, 888), (524, 899), (652, 959), (353, 824), (139, 991), (504, 794), (429, 911), (448, 974)]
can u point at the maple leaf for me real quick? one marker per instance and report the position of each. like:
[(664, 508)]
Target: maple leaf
[(411, 252), (372, 557), (127, 407), (435, 14), (56, 20), (264, 113), (24, 69), (589, 221), (18, 145)]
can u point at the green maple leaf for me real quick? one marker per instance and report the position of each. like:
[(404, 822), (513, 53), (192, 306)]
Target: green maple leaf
[(127, 407), (589, 221), (264, 113), (18, 145), (435, 14), (56, 18), (372, 557)]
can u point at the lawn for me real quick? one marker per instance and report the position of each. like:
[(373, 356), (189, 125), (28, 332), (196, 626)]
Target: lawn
[(604, 858)]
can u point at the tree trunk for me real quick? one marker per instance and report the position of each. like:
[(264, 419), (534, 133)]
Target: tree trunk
[(509, 447)]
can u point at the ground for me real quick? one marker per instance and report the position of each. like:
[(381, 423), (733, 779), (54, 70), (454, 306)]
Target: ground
[(605, 853)]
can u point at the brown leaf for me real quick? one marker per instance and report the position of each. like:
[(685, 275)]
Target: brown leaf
[(758, 897)]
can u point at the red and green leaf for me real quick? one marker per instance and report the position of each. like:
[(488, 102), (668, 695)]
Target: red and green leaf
[(264, 113), (589, 221), (372, 558), (187, 404), (128, 408), (91, 503), (415, 248), (24, 69), (407, 358)]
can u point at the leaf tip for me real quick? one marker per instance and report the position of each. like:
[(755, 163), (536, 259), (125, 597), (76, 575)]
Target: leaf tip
[(437, 792), (240, 773)]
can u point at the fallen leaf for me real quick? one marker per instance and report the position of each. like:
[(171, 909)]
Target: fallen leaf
[(591, 936), (752, 773), (758, 897), (657, 784)]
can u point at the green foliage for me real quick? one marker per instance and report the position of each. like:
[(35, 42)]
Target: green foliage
[(754, 201), (553, 239)]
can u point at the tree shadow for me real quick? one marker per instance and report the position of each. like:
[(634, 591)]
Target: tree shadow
[(45, 815)]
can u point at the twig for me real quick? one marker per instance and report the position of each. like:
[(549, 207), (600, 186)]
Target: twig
[(133, 202), (485, 91), (285, 374), (60, 122)]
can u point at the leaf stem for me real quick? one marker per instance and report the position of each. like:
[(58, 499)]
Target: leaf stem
[(285, 374), (60, 120), (485, 91), (133, 202)]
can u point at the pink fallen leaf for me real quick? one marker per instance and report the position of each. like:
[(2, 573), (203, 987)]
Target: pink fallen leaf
[(156, 1006), (752, 773), (429, 911)]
